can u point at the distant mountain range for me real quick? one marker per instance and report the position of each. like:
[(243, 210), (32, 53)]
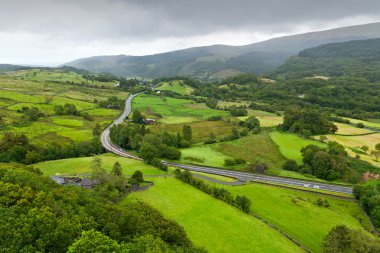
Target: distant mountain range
[(359, 58), (222, 60)]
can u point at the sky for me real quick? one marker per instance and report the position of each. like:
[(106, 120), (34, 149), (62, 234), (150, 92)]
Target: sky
[(52, 32)]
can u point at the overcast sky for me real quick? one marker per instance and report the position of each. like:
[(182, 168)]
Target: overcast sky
[(50, 32)]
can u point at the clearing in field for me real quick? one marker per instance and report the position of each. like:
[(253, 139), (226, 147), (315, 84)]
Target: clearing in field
[(211, 223), (297, 213), (82, 166), (204, 155), (176, 86), (290, 145), (176, 110)]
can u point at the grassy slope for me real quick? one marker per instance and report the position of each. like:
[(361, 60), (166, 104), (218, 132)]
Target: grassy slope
[(200, 130), (21, 88), (211, 223), (291, 144), (176, 86), (174, 110), (295, 213), (82, 165)]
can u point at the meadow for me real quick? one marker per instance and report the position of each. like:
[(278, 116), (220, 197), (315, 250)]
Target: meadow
[(290, 145), (23, 89), (176, 86), (82, 166), (297, 214), (211, 223), (200, 130), (172, 110)]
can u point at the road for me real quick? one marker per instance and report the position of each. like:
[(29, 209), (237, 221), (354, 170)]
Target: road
[(241, 176)]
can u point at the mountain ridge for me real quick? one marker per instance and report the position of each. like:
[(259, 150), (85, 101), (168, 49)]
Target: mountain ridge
[(204, 61)]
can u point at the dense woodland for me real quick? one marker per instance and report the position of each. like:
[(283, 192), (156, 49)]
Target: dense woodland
[(38, 215)]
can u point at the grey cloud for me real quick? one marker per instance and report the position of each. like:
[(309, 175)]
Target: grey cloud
[(134, 19)]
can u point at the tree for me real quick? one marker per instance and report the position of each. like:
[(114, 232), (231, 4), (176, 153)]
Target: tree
[(290, 165), (138, 118), (97, 130), (48, 99), (98, 172), (377, 146), (252, 123), (187, 133), (148, 152), (322, 138), (365, 148), (116, 169), (211, 138), (342, 239), (376, 154), (137, 177), (94, 241)]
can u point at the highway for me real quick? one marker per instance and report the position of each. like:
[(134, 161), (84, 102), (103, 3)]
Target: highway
[(241, 176)]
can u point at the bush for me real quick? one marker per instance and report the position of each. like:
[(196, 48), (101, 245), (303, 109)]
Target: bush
[(360, 125), (290, 165), (158, 164), (240, 161), (229, 162)]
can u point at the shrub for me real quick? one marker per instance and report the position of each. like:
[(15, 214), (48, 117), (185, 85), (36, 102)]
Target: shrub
[(229, 162), (290, 165)]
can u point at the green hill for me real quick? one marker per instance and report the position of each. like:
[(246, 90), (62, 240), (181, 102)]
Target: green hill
[(352, 58), (259, 58)]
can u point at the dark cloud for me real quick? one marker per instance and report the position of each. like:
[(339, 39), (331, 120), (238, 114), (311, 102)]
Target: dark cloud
[(78, 22)]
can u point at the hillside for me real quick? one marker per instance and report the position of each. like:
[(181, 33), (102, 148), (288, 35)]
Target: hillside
[(259, 58), (10, 67), (359, 58)]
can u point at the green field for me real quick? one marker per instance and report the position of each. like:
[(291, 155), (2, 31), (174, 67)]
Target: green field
[(290, 145), (172, 109), (200, 130), (24, 89), (369, 123), (211, 223), (176, 86), (204, 155), (82, 166), (296, 214)]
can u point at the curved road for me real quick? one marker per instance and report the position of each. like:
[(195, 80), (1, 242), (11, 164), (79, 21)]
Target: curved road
[(241, 176)]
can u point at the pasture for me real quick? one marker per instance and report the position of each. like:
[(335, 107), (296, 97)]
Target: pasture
[(211, 223), (176, 86), (174, 110), (344, 129), (82, 166), (200, 130), (297, 214), (17, 91), (290, 145)]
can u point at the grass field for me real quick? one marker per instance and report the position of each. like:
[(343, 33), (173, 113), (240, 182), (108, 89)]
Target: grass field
[(174, 110), (211, 223), (176, 86), (217, 177), (204, 155), (369, 123), (24, 89), (345, 129), (267, 119), (200, 130), (82, 166), (290, 145), (297, 214), (356, 142)]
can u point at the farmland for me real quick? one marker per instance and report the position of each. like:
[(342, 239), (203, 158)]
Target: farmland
[(227, 228), (297, 214), (290, 145), (39, 89), (82, 166), (172, 110), (176, 86)]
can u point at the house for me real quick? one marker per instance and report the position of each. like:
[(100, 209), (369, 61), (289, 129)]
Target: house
[(150, 121), (58, 180)]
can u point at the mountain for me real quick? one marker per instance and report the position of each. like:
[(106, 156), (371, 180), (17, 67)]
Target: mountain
[(259, 58), (10, 67), (359, 58)]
